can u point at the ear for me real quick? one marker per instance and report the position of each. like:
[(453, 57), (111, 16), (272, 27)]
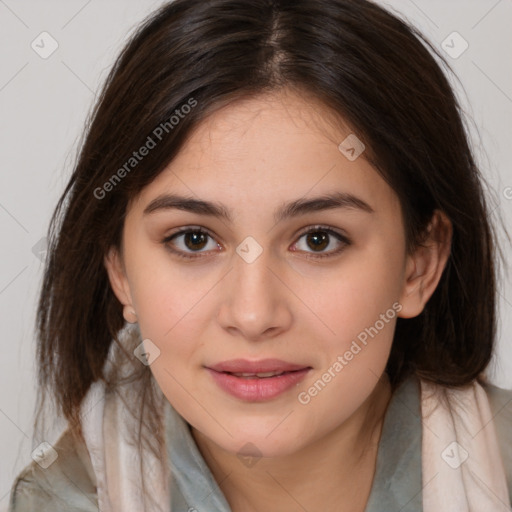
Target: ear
[(425, 266), (117, 276)]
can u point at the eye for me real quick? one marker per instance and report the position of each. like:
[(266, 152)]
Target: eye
[(192, 242), (189, 241), (320, 238)]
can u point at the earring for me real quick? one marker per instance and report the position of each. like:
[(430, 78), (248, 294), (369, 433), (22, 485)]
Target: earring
[(129, 314)]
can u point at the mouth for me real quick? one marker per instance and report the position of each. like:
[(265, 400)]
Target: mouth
[(258, 367), (256, 381), (264, 375)]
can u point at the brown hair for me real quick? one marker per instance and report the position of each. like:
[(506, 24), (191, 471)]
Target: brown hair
[(373, 70)]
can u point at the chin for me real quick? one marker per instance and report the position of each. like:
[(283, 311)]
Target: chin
[(255, 441)]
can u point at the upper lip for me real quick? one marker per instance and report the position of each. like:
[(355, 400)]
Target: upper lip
[(260, 366)]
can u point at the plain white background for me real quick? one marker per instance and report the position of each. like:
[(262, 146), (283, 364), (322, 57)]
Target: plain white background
[(44, 103)]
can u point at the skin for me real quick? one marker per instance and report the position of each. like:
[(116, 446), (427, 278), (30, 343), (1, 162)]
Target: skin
[(252, 156)]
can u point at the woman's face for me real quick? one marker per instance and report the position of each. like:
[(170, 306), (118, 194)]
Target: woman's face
[(313, 314)]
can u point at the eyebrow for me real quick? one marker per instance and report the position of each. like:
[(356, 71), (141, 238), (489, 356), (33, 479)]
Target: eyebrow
[(294, 208)]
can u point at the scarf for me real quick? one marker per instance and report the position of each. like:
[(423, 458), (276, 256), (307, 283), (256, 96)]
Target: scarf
[(462, 469)]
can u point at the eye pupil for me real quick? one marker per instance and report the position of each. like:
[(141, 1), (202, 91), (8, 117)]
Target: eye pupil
[(319, 238), (195, 237)]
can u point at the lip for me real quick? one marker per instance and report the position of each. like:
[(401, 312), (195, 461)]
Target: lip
[(257, 389), (259, 366)]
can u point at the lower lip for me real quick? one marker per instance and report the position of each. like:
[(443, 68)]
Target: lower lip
[(257, 389)]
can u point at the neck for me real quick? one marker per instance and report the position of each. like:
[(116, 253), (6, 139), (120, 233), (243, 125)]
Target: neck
[(335, 473)]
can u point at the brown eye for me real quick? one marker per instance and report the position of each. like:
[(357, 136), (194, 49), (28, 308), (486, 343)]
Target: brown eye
[(190, 243), (318, 239), (195, 240)]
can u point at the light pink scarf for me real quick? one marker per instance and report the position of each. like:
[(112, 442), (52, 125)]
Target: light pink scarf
[(461, 463)]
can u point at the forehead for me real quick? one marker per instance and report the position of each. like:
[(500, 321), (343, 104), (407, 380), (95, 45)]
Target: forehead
[(265, 149), (271, 123)]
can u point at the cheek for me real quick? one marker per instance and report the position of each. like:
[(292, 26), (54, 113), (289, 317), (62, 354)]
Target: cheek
[(169, 305), (167, 300), (351, 297), (358, 307)]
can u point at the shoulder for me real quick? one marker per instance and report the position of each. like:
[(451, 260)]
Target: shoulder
[(500, 401), (67, 484)]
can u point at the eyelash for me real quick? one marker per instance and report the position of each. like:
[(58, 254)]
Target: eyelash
[(313, 229)]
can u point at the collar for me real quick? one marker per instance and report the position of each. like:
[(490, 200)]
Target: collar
[(397, 484)]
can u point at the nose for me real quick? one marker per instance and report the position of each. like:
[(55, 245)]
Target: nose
[(256, 303)]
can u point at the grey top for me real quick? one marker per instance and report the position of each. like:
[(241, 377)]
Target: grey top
[(67, 485)]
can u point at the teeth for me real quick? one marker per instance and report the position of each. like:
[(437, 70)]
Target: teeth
[(259, 375)]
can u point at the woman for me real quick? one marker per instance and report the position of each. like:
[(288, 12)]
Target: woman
[(271, 277)]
